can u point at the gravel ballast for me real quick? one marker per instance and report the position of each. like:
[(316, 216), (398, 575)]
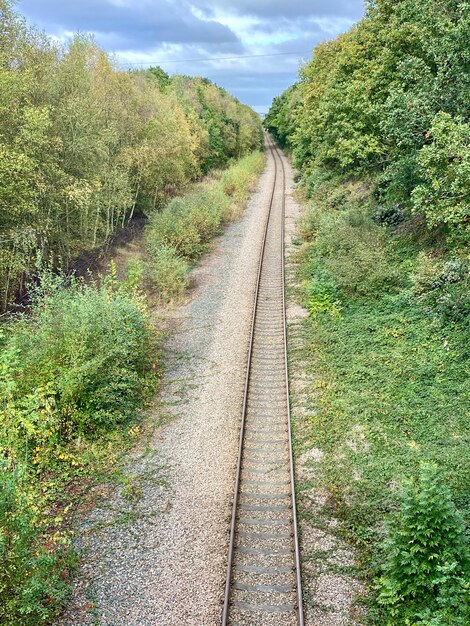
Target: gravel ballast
[(330, 588), (156, 555), (160, 558)]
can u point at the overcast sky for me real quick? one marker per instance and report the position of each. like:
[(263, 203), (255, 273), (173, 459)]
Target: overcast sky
[(177, 34)]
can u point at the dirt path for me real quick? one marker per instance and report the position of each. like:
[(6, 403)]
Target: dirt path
[(160, 558)]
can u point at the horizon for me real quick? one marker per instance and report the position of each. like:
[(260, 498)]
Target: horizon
[(251, 48)]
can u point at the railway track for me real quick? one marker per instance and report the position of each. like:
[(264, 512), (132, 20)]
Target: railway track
[(263, 584)]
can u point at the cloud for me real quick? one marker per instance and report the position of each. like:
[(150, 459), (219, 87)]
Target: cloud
[(289, 9), (169, 32), (128, 25)]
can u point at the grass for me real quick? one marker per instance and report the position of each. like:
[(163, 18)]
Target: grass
[(178, 236), (388, 339)]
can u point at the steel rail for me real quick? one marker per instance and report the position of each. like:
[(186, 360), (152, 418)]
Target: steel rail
[(245, 400), (300, 609), (231, 549)]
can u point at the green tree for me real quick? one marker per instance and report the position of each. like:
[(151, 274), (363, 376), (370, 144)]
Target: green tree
[(444, 193), (84, 146)]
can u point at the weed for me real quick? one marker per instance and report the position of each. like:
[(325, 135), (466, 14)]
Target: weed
[(178, 236), (74, 370), (167, 272), (426, 574), (32, 581)]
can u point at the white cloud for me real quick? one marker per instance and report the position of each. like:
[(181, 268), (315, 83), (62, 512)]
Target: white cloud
[(169, 32)]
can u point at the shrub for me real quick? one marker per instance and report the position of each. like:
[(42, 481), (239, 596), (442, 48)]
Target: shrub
[(321, 298), (237, 182), (31, 585), (395, 184), (443, 287), (389, 215), (173, 228), (207, 210), (180, 234), (82, 361), (316, 179), (308, 224), (426, 572), (444, 195), (168, 273), (425, 273), (352, 252)]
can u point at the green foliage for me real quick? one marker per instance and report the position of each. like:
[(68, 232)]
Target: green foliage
[(426, 574), (173, 228), (228, 129), (84, 146), (76, 367), (347, 246), (379, 128), (167, 272), (444, 193), (176, 237), (444, 288), (390, 98), (31, 585), (237, 182), (71, 372), (393, 372), (163, 79), (280, 120), (321, 298), (82, 361)]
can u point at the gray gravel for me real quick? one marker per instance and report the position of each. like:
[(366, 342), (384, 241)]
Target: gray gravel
[(330, 596), (161, 559)]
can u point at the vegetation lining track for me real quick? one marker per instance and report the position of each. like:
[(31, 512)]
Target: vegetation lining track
[(263, 573)]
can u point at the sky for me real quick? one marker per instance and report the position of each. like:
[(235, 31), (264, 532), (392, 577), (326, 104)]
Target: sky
[(228, 41)]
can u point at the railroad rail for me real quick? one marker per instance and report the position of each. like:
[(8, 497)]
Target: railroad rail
[(263, 585)]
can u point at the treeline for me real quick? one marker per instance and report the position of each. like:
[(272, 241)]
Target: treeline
[(84, 145), (379, 128), (390, 99)]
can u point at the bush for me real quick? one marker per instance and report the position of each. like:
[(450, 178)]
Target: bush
[(426, 573), (237, 182), (309, 224), (31, 585), (389, 215), (321, 298), (168, 273), (444, 195), (77, 366), (395, 184), (352, 253), (443, 287), (317, 179), (181, 233), (173, 228), (208, 208), (81, 361), (424, 274)]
